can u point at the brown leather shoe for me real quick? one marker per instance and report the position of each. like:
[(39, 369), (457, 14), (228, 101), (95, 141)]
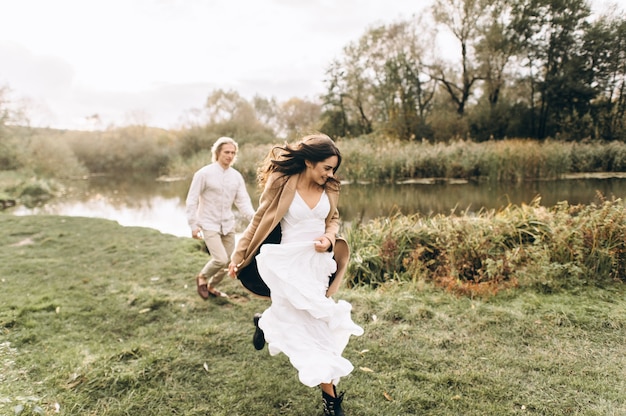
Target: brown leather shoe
[(203, 289)]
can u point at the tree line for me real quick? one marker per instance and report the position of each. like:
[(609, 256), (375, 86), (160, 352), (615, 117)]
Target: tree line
[(509, 69), (521, 68)]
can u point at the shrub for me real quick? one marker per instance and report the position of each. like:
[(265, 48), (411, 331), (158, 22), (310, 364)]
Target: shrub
[(12, 155), (50, 156), (493, 250), (128, 149), (35, 191)]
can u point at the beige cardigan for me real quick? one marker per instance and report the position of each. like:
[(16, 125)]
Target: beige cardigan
[(273, 205)]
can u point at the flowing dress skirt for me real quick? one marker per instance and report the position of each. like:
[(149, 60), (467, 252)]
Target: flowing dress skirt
[(311, 329)]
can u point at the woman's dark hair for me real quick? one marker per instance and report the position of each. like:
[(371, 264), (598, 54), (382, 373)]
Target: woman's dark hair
[(290, 159)]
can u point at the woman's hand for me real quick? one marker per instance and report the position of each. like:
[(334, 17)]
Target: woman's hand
[(232, 270), (322, 244)]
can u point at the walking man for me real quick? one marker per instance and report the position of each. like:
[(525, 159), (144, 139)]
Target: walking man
[(214, 189)]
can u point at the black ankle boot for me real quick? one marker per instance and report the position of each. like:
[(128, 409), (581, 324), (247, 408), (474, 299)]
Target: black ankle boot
[(332, 405), (258, 339)]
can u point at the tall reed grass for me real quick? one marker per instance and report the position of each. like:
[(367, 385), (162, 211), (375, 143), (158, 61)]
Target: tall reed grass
[(377, 160), (515, 160), (372, 159), (476, 255)]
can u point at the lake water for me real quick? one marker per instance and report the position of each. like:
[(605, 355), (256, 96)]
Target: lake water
[(160, 205)]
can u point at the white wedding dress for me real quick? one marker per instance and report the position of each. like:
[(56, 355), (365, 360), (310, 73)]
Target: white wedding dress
[(311, 329)]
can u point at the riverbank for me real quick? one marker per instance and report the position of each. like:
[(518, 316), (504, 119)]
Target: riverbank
[(100, 319), (40, 176)]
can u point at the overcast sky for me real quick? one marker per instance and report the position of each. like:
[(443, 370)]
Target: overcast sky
[(151, 61)]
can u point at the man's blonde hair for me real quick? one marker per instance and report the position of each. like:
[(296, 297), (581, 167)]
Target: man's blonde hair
[(217, 147)]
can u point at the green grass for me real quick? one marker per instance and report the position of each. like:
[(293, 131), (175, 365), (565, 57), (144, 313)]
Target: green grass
[(101, 319)]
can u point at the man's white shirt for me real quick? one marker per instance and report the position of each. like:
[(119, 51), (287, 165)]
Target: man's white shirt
[(211, 196)]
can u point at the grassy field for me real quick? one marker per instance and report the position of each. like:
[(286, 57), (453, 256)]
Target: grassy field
[(100, 319)]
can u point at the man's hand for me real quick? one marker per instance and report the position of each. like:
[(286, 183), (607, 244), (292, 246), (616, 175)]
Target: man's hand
[(232, 270)]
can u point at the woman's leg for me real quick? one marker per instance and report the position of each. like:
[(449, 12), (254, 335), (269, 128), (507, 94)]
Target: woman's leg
[(330, 400), (328, 388)]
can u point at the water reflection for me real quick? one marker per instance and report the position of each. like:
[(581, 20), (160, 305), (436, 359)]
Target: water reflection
[(367, 201), (164, 214), (160, 205)]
